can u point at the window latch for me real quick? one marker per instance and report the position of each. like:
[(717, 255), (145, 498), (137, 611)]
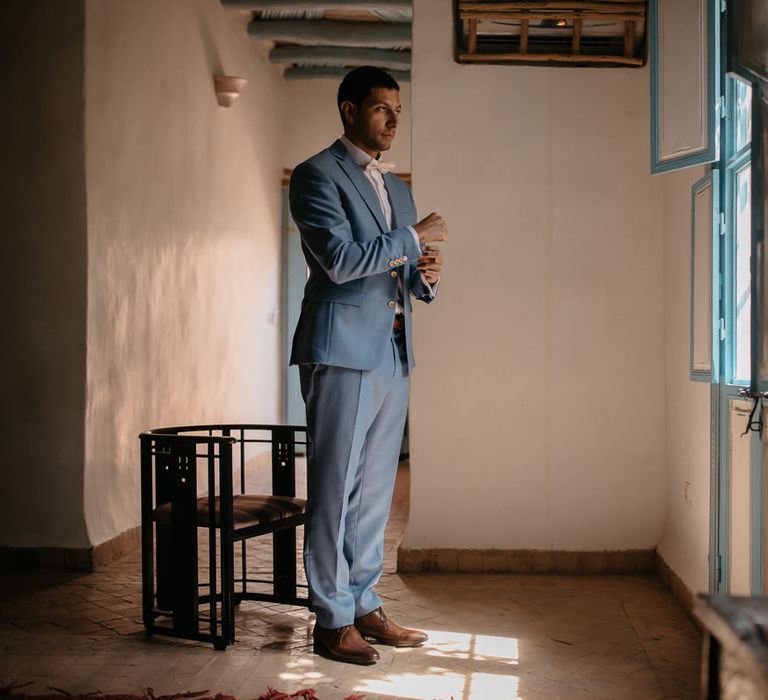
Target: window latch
[(747, 393), (755, 420)]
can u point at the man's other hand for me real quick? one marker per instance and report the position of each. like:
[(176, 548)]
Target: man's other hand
[(430, 263), (432, 229)]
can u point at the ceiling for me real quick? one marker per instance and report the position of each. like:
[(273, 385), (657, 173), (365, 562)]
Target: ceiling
[(326, 38)]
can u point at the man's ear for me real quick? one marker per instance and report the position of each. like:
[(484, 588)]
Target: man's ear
[(349, 111)]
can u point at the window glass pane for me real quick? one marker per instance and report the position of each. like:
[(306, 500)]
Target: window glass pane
[(704, 260), (742, 191), (760, 259), (743, 114)]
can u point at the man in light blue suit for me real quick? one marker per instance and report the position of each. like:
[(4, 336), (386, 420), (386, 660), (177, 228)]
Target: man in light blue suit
[(367, 258)]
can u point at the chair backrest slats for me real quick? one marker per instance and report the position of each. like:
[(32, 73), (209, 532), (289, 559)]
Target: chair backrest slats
[(283, 461)]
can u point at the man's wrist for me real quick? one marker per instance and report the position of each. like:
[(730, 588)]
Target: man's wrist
[(415, 235)]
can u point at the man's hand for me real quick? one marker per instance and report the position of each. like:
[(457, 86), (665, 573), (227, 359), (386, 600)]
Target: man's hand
[(432, 229), (430, 263)]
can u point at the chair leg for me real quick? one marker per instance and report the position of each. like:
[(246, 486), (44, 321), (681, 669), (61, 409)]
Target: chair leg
[(180, 577), (164, 566), (147, 539), (284, 562), (227, 591)]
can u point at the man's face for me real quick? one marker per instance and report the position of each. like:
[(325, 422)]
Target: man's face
[(372, 126)]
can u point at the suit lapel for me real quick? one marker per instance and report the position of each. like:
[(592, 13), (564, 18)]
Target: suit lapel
[(394, 203), (355, 173), (394, 200)]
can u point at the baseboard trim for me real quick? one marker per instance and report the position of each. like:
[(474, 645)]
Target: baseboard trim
[(527, 561), (82, 559), (116, 547), (49, 558), (676, 586), (422, 561), (524, 561)]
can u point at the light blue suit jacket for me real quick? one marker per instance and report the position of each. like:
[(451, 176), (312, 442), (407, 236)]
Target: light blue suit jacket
[(354, 262)]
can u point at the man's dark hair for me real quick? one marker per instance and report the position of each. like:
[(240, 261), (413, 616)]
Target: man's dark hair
[(359, 82)]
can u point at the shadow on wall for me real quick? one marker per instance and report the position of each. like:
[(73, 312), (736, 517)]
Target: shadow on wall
[(209, 47)]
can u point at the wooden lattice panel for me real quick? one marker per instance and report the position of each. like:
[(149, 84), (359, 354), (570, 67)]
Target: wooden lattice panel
[(552, 32)]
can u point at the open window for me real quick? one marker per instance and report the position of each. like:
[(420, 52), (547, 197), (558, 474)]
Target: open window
[(705, 325), (684, 58), (759, 212), (737, 208)]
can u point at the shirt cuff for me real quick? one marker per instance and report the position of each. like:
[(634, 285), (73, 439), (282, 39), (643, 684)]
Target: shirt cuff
[(430, 289)]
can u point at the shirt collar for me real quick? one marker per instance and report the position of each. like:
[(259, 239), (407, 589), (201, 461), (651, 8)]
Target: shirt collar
[(358, 155)]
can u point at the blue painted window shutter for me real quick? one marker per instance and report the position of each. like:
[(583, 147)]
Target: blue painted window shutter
[(684, 59)]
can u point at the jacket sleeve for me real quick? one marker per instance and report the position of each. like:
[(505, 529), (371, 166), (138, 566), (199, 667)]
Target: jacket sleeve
[(418, 289), (325, 230)]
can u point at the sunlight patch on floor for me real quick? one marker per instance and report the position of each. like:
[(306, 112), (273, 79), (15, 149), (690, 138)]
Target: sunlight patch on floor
[(451, 665), (469, 686)]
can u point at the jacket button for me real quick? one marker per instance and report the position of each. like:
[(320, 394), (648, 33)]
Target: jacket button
[(393, 273), (392, 263), (391, 304), (405, 258)]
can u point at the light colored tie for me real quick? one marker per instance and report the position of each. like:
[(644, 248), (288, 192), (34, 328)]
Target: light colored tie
[(380, 166)]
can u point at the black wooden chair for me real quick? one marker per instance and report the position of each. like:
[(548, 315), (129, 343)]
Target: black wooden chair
[(182, 595)]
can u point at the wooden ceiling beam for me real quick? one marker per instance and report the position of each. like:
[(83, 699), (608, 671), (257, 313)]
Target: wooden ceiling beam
[(309, 72), (547, 58), (539, 16), (322, 32), (341, 56), (638, 6)]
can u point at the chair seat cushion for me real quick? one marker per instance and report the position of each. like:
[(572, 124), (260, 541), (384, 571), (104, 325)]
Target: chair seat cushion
[(247, 509)]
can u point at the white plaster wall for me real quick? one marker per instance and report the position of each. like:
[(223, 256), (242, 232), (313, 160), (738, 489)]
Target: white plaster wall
[(43, 285), (685, 541), (184, 235), (312, 122), (537, 413)]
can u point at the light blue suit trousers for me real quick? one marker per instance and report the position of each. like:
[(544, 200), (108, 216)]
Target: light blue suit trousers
[(356, 420)]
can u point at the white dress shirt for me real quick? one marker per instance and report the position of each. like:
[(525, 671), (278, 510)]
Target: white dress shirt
[(376, 178)]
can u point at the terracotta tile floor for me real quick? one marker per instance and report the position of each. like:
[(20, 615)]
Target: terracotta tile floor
[(492, 637)]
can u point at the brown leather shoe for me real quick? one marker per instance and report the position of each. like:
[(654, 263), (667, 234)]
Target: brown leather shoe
[(376, 625), (343, 644)]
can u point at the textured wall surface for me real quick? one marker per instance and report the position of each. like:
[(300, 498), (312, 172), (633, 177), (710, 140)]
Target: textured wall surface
[(685, 540), (184, 235), (43, 297), (538, 399)]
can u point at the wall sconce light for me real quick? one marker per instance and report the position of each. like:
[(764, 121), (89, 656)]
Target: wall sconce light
[(228, 88)]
